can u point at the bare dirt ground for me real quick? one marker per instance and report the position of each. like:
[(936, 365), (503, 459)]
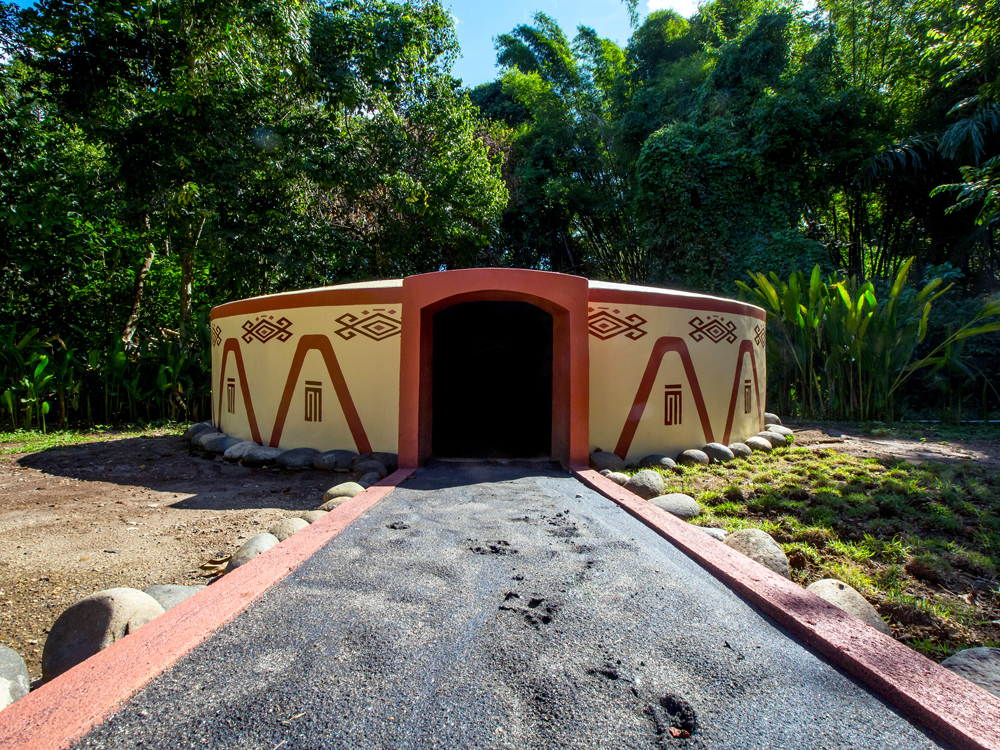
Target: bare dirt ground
[(131, 512), (142, 510), (842, 438)]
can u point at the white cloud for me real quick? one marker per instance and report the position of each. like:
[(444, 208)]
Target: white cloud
[(686, 8)]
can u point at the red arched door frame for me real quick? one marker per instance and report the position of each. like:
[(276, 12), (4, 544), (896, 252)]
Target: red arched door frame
[(563, 297)]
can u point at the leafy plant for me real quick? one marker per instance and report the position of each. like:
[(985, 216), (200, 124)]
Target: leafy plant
[(846, 353)]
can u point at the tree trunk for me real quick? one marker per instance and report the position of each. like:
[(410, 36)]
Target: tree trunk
[(140, 277), (187, 283), (187, 275)]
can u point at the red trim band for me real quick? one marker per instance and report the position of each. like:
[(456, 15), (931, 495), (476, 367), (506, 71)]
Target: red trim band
[(666, 298), (310, 298)]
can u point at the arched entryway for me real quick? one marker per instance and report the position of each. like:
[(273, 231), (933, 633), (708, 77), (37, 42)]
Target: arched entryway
[(563, 298), (492, 381)]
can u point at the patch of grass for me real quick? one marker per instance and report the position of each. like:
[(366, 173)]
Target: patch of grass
[(922, 543), (33, 441)]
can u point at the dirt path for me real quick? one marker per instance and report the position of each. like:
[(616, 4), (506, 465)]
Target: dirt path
[(132, 512), (843, 438)]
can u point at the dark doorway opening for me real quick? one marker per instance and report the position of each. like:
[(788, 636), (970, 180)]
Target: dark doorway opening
[(492, 381)]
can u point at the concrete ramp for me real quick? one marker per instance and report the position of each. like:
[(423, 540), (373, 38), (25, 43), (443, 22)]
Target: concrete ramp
[(490, 606)]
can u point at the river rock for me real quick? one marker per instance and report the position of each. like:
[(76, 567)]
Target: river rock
[(678, 504), (656, 461), (839, 594), (204, 437), (389, 460), (369, 479), (693, 457), (286, 527), (647, 484), (335, 461), (92, 624), (618, 477), (603, 460), (979, 665), (196, 428), (261, 455), (759, 546), (345, 490), (298, 458), (783, 431), (759, 444), (368, 467), (170, 595), (312, 516), (719, 534), (771, 418), (14, 680), (219, 445), (236, 452), (740, 450), (718, 453), (776, 440), (253, 546)]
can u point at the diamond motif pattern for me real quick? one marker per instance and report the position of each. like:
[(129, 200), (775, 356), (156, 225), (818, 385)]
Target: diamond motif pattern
[(216, 335), (715, 328), (377, 326), (758, 335), (265, 327), (605, 325)]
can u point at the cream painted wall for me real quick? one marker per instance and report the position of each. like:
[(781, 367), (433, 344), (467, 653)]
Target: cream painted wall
[(370, 368), (618, 363)]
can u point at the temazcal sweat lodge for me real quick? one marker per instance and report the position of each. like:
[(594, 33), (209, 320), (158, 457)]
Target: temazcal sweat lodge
[(489, 363)]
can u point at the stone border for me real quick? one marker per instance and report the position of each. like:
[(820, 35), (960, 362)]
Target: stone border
[(952, 708), (63, 710)]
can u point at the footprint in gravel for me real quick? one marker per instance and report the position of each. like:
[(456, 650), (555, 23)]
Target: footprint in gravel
[(536, 614), (397, 525), (608, 671), (499, 547), (673, 718)]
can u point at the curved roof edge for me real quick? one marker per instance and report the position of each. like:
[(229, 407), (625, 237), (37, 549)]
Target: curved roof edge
[(374, 291)]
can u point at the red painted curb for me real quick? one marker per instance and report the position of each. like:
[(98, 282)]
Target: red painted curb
[(65, 709), (954, 709)]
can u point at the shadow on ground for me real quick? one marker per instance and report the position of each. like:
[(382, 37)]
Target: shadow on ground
[(166, 464)]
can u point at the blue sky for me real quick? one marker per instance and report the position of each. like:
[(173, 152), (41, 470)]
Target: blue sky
[(478, 21)]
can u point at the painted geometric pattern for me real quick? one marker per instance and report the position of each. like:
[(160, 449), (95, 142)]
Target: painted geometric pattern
[(376, 325), (216, 335), (605, 324), (715, 329), (758, 335), (265, 327)]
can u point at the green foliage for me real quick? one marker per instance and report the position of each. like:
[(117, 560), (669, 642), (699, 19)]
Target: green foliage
[(846, 353), (161, 157)]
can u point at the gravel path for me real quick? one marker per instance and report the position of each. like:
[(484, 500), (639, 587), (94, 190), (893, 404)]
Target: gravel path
[(487, 606)]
